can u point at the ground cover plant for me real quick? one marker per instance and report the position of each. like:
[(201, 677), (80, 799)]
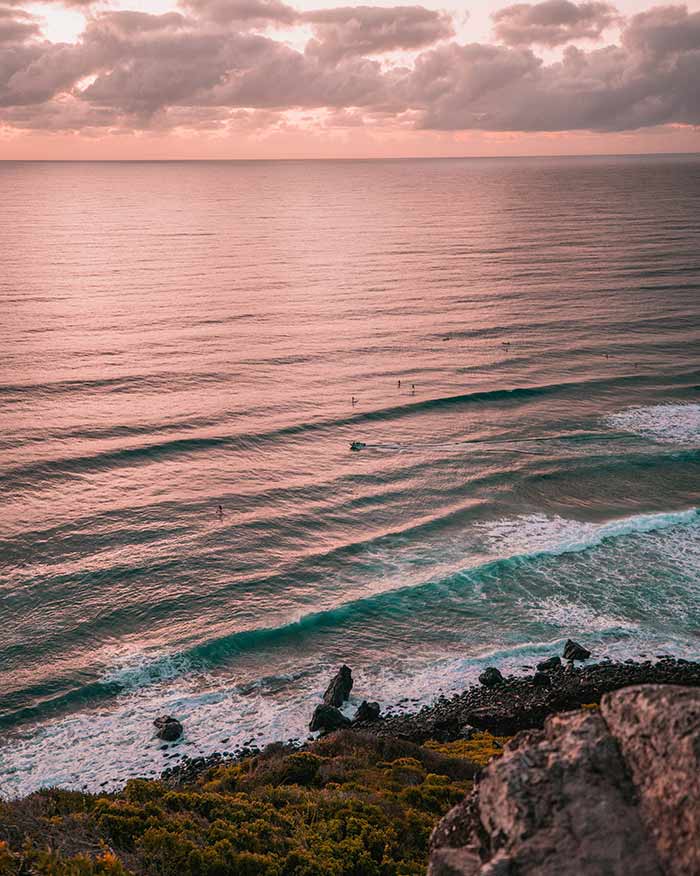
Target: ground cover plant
[(351, 804)]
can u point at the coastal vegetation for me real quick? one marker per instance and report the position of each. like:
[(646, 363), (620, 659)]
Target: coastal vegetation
[(351, 804)]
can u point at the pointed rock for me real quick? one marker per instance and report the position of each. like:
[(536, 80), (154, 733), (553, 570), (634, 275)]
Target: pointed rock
[(339, 688)]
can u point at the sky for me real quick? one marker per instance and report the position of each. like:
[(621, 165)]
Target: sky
[(203, 79)]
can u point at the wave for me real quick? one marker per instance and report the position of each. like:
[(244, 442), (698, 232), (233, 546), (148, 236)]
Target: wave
[(145, 453), (515, 542), (564, 536)]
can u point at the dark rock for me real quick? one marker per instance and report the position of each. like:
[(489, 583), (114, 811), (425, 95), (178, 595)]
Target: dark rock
[(169, 728), (367, 711), (550, 664), (593, 793), (339, 688), (541, 679), (491, 677), (327, 719), (518, 704), (574, 651)]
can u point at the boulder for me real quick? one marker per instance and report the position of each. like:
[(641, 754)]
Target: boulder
[(549, 665), (605, 793), (367, 711), (339, 688), (574, 651), (327, 719), (541, 679), (168, 728), (491, 677), (657, 728)]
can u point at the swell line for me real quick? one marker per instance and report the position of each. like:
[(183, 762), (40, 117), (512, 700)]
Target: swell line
[(401, 601), (149, 452)]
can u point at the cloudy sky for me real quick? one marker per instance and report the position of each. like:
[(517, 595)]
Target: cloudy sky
[(264, 78)]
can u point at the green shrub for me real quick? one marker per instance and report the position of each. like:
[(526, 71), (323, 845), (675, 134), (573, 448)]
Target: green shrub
[(350, 805)]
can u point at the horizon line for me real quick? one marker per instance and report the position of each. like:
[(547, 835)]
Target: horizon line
[(347, 159)]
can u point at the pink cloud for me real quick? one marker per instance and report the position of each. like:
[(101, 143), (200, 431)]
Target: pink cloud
[(192, 70)]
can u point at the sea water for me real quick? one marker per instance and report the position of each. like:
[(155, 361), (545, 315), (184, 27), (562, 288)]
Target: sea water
[(517, 342)]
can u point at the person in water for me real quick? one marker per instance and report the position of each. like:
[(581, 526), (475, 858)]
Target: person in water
[(220, 511)]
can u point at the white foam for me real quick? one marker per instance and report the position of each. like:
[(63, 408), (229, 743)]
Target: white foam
[(667, 424), (567, 614), (533, 534)]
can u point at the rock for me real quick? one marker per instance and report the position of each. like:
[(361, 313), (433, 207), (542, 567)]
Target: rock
[(605, 793), (658, 730), (541, 679), (491, 677), (339, 688), (518, 704), (367, 711), (550, 664), (169, 728), (574, 651), (327, 719)]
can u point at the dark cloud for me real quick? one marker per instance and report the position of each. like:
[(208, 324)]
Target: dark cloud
[(368, 30), (553, 22), (651, 79), (664, 30), (132, 70)]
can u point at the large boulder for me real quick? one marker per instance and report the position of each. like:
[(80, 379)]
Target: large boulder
[(168, 728), (367, 711), (574, 651), (339, 688), (491, 677), (605, 793), (658, 731), (326, 719), (550, 664)]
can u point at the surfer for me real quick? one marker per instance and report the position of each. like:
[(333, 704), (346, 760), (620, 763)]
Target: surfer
[(357, 445), (353, 401), (220, 511)]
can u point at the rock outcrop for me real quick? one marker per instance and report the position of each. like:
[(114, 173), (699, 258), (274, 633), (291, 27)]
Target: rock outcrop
[(595, 793), (339, 688), (326, 719), (168, 728), (658, 732), (574, 651)]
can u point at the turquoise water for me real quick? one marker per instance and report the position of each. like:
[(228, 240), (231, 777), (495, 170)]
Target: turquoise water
[(179, 336)]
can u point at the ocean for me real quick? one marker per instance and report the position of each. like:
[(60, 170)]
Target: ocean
[(516, 342)]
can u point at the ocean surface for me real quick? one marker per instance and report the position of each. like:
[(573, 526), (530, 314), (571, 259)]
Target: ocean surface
[(522, 341)]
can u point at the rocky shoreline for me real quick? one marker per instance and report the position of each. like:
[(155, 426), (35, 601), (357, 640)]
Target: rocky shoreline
[(523, 703), (502, 705)]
